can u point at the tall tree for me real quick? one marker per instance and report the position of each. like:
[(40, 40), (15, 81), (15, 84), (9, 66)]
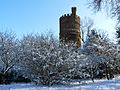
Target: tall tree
[(111, 6)]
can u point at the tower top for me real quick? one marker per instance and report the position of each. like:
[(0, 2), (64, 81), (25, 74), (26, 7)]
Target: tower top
[(73, 9)]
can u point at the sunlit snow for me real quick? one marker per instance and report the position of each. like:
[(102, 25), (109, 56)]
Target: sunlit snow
[(85, 85)]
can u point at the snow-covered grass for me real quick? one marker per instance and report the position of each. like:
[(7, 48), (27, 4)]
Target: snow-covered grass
[(86, 85)]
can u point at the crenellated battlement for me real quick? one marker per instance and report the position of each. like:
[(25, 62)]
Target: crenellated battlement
[(68, 16)]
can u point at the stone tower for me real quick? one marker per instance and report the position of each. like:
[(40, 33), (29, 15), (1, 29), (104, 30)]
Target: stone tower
[(70, 28)]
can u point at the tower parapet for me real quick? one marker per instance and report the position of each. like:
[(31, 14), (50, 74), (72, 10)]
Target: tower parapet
[(70, 28)]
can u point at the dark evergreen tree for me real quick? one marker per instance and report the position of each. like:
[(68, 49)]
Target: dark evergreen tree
[(118, 35)]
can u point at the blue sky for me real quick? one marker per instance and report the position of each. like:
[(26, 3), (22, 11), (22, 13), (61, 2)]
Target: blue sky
[(42, 16)]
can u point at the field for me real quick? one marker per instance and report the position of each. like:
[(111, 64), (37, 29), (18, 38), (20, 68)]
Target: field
[(86, 85)]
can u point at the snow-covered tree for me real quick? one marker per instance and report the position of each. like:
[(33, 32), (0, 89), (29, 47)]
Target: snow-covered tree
[(47, 61), (112, 7), (100, 52), (8, 52)]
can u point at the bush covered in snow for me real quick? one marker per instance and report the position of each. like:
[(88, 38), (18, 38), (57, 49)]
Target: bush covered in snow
[(42, 59), (47, 61)]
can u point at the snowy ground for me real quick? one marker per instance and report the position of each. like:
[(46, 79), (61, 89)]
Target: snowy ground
[(87, 85)]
